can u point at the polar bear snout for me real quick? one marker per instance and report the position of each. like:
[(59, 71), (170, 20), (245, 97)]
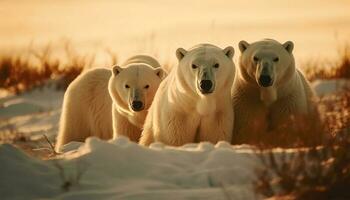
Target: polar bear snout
[(206, 86), (136, 100), (137, 106), (265, 80), (265, 74), (206, 80)]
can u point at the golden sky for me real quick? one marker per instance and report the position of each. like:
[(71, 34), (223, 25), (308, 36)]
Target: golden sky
[(318, 28)]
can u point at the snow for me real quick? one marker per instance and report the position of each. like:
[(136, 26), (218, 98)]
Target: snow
[(34, 113), (120, 169)]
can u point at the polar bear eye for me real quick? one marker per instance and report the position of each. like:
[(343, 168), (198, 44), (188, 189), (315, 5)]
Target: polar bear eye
[(194, 66), (127, 86), (216, 65), (256, 59), (276, 59), (146, 87)]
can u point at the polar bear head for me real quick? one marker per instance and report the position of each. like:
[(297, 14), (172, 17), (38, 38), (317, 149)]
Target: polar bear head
[(266, 63), (205, 68), (132, 88)]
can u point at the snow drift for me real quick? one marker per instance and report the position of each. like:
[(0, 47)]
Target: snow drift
[(120, 169)]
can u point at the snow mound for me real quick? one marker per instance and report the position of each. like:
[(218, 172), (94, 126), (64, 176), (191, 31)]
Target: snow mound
[(120, 169)]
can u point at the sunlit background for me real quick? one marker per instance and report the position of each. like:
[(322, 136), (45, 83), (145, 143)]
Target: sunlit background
[(318, 27)]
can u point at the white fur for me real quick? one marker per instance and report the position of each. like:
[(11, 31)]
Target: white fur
[(88, 107), (180, 113), (258, 109)]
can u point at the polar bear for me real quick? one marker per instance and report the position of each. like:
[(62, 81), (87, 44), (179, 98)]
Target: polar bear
[(193, 103), (106, 103), (269, 90)]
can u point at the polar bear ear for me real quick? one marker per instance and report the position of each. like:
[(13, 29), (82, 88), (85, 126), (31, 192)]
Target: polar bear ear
[(160, 72), (180, 53), (243, 45), (289, 46), (116, 70), (229, 52)]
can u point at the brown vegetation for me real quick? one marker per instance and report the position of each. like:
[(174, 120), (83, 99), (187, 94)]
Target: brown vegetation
[(316, 173), (321, 172), (329, 69), (33, 68)]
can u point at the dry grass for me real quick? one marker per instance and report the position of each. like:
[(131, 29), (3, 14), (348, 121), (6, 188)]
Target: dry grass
[(33, 68), (330, 69), (316, 173), (321, 172)]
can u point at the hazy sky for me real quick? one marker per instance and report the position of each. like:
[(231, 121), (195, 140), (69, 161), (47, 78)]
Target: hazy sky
[(160, 26)]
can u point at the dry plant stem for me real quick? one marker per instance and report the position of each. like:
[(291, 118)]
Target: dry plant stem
[(51, 146)]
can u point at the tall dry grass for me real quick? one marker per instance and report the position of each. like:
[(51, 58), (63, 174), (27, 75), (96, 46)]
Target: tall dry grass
[(316, 173), (339, 68), (28, 69)]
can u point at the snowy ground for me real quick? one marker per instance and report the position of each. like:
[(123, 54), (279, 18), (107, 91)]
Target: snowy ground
[(124, 170), (116, 169)]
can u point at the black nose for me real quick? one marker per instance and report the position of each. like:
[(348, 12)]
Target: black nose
[(206, 86), (137, 105), (265, 80)]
